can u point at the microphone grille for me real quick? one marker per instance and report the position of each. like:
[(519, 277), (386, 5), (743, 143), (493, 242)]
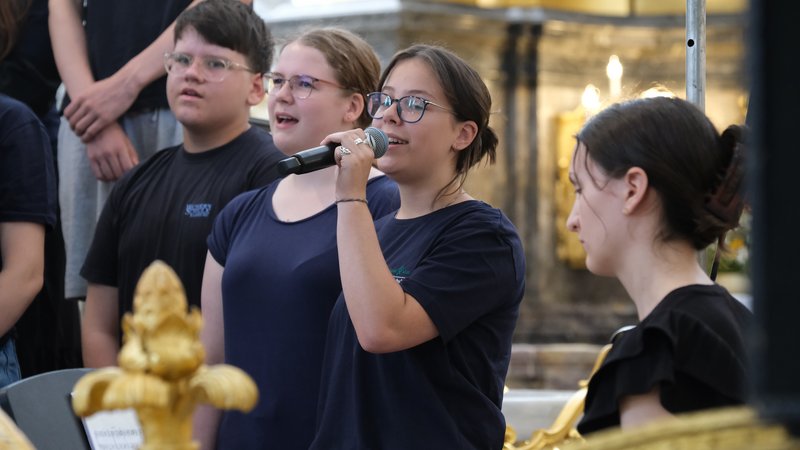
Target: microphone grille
[(378, 140)]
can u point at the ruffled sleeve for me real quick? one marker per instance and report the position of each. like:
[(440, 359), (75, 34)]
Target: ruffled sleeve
[(697, 363)]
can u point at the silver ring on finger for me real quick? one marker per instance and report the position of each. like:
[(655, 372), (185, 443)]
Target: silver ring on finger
[(344, 150), (359, 141)]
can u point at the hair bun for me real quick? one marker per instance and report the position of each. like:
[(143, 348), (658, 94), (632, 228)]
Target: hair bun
[(725, 202)]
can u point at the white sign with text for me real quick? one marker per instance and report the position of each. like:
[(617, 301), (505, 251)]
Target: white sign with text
[(113, 430)]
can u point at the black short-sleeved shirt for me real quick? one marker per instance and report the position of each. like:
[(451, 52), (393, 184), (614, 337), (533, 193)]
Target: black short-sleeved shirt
[(27, 172), (28, 73), (465, 266), (118, 30), (691, 346), (164, 209)]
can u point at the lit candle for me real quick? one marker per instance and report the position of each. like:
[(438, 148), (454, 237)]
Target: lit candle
[(590, 99), (614, 73)]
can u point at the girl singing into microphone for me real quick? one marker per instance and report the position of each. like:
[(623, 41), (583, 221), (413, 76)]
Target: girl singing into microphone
[(271, 275), (420, 340)]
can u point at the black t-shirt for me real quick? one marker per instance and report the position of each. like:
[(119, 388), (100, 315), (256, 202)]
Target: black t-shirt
[(118, 30), (165, 207), (29, 72), (691, 346)]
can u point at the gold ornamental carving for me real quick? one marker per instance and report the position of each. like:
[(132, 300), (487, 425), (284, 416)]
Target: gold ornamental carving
[(161, 374), (11, 438), (736, 428), (610, 8), (563, 430), (568, 246)]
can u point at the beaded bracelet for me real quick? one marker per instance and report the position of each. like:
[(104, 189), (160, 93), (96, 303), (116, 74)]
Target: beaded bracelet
[(345, 200)]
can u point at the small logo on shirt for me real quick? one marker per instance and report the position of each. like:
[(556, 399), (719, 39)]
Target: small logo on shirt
[(400, 273), (198, 209)]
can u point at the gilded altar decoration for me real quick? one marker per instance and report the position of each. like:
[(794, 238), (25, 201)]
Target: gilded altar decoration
[(563, 430), (11, 438), (161, 374), (568, 245), (733, 428)]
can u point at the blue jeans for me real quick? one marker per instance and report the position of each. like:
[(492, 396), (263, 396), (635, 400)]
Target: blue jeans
[(9, 366)]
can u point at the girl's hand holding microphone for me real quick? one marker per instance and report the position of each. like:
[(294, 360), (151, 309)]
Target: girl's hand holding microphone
[(355, 155)]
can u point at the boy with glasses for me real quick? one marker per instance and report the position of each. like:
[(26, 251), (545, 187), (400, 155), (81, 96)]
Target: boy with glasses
[(164, 208), (115, 113)]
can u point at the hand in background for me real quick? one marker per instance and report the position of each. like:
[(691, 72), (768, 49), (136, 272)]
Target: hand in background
[(111, 153), (100, 104)]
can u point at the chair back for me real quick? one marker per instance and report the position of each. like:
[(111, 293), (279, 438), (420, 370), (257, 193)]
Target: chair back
[(41, 407)]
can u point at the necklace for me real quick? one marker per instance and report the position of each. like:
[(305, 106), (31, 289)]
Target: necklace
[(455, 199)]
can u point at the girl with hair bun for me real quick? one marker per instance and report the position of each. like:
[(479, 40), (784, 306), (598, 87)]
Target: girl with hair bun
[(655, 183)]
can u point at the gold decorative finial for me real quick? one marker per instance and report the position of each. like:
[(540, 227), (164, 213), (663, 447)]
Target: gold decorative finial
[(11, 438), (161, 374)]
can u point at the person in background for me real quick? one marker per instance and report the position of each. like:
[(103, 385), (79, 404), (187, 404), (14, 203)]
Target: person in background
[(48, 333), (655, 183), (164, 208), (27, 68), (27, 210), (271, 274), (419, 342), (115, 114)]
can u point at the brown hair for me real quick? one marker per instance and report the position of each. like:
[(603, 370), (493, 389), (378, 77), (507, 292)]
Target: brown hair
[(353, 61), (467, 95), (12, 13), (697, 172)]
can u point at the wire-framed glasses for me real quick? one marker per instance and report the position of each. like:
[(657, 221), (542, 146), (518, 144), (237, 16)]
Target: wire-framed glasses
[(409, 108), (212, 68), (301, 86)]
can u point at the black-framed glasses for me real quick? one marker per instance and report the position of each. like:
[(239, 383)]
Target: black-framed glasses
[(212, 68), (409, 108), (301, 86)]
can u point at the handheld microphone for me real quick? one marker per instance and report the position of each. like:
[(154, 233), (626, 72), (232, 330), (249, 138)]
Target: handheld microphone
[(323, 156)]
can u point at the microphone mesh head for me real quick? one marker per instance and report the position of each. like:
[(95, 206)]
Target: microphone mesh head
[(378, 140)]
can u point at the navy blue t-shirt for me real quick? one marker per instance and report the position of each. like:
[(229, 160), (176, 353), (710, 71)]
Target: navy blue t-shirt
[(465, 265), (27, 172), (280, 282), (165, 207)]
